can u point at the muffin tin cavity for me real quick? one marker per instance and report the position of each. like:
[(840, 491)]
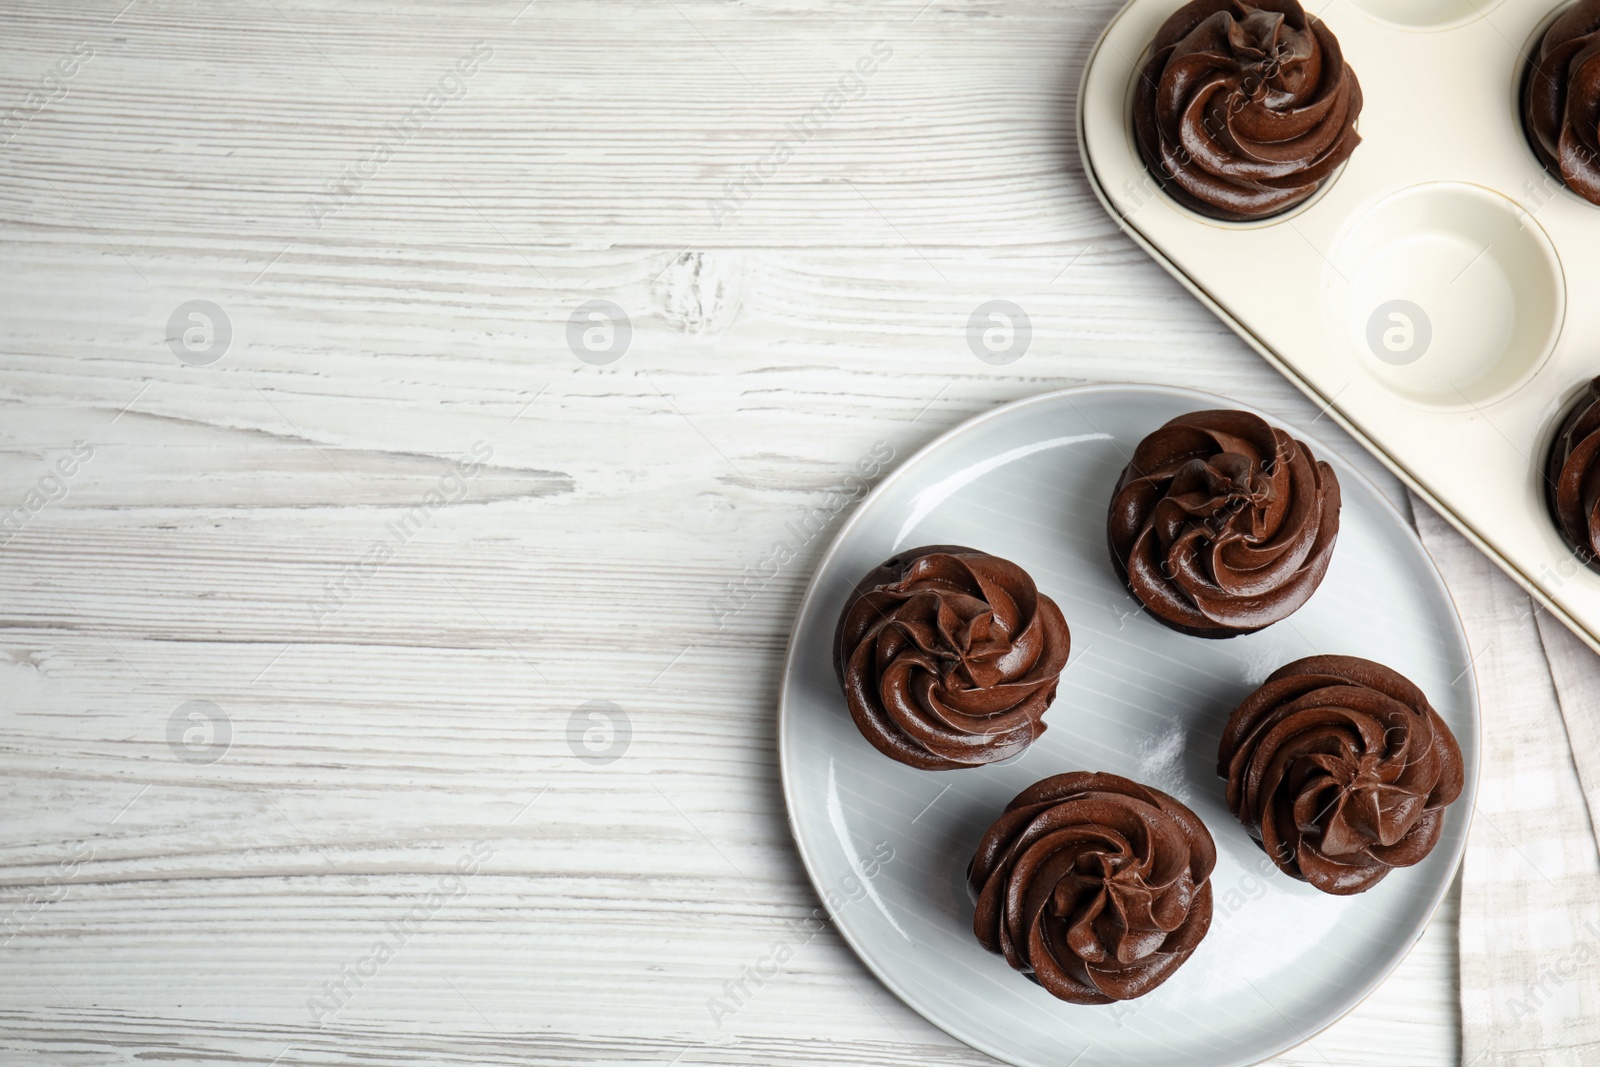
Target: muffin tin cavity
[(1446, 295), (1425, 14)]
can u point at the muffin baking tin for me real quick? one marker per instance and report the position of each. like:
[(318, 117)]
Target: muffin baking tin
[(1439, 296)]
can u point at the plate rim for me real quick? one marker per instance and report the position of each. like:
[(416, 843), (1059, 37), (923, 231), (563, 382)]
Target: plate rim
[(1001, 411)]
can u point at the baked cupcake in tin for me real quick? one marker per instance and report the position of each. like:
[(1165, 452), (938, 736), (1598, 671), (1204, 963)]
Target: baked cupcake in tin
[(1561, 99), (1245, 108), (1572, 476)]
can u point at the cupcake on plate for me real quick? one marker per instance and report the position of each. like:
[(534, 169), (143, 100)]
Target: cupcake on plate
[(1341, 770), (1222, 524), (1096, 887), (949, 657)]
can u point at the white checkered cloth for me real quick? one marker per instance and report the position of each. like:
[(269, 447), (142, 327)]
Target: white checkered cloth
[(1530, 886)]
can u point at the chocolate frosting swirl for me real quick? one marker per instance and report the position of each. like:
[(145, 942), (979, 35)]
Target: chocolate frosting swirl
[(1341, 769), (1094, 886), (1574, 476), (1222, 525), (1561, 99), (949, 657), (1245, 107)]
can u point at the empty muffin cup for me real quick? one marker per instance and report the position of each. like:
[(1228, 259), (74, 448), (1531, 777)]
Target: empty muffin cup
[(1448, 295)]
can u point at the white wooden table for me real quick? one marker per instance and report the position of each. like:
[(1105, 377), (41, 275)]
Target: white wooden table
[(393, 689)]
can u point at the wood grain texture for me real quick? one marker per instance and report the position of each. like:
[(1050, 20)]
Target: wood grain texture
[(170, 911)]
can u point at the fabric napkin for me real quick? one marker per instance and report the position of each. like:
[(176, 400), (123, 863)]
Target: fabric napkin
[(1530, 885)]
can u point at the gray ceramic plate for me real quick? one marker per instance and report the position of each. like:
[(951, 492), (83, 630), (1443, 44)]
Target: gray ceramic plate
[(887, 846)]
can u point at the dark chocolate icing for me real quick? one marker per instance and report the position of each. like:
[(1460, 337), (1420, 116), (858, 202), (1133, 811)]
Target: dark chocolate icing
[(1341, 769), (1574, 476), (1221, 524), (1245, 107), (949, 657), (1094, 886), (1561, 99)]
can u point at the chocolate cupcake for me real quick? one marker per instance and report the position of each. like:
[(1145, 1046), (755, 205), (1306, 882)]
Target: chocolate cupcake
[(949, 657), (1561, 99), (1094, 886), (1573, 474), (1245, 107), (1222, 525), (1341, 769)]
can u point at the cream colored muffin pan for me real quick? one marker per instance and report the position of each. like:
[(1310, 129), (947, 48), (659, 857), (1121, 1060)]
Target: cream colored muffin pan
[(1440, 296)]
